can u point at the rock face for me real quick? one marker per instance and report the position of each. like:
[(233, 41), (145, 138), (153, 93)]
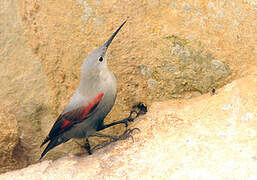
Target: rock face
[(207, 137), (9, 138), (23, 93), (167, 49)]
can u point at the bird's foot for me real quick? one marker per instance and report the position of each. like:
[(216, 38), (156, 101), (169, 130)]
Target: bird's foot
[(125, 135), (88, 147), (142, 109)]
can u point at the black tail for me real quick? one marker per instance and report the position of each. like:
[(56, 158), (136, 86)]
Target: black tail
[(53, 143)]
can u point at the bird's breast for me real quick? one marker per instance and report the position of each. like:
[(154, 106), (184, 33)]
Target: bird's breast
[(108, 84)]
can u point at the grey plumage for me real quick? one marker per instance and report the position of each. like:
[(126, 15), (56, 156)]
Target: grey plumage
[(90, 103)]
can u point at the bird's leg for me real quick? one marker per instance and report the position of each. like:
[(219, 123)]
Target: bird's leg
[(104, 136), (124, 121), (142, 110), (86, 146), (125, 135)]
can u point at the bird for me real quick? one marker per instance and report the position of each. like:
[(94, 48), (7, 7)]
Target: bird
[(89, 105)]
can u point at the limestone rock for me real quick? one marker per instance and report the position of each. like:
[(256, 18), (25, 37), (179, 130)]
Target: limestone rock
[(9, 138), (166, 50), (214, 44), (148, 66), (23, 93), (207, 137)]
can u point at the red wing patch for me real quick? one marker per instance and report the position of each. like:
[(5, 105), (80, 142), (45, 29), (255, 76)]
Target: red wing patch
[(65, 121), (91, 105), (65, 124)]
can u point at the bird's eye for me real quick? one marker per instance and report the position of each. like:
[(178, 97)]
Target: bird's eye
[(100, 59)]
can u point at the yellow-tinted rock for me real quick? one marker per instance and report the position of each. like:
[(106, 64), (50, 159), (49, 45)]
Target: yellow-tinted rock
[(23, 93), (208, 137), (63, 34), (8, 138), (44, 43)]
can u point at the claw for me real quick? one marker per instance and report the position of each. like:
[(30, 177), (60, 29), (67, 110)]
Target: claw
[(131, 130), (142, 108), (130, 118), (125, 135)]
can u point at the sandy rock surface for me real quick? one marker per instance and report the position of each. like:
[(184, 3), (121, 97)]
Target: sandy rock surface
[(208, 137), (167, 50)]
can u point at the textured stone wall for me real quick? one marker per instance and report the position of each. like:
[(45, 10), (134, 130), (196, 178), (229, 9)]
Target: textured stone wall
[(207, 137), (166, 50)]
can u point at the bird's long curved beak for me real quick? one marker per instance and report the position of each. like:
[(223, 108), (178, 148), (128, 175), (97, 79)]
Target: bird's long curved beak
[(114, 34)]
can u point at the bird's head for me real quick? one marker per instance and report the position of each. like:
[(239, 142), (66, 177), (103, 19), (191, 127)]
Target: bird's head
[(96, 61)]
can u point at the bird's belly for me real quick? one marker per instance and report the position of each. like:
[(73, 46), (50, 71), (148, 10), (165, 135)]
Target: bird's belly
[(96, 120), (83, 129)]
